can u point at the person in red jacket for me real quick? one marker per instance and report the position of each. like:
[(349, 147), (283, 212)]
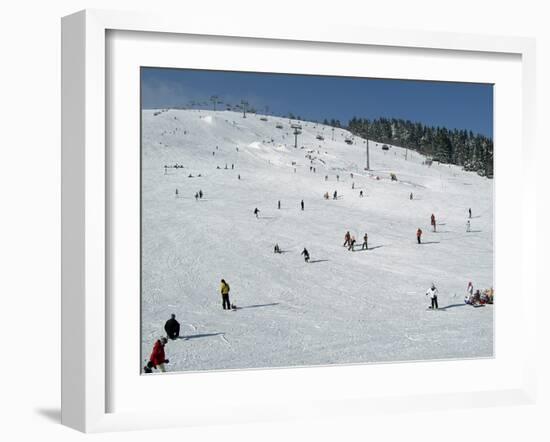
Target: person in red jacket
[(419, 235), (158, 358)]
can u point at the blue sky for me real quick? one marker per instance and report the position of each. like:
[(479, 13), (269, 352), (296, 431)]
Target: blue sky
[(452, 105)]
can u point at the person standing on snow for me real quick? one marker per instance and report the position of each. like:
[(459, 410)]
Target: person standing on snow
[(432, 293), (172, 328), (302, 204), (365, 245), (419, 235), (279, 204), (469, 213), (432, 221), (224, 290), (306, 255), (360, 194), (276, 249), (411, 196), (200, 194), (256, 212), (335, 195), (158, 357), (347, 239)]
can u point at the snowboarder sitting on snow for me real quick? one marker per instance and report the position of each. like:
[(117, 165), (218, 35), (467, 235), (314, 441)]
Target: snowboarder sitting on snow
[(172, 327), (256, 211), (224, 289), (158, 358), (419, 235), (276, 249), (432, 293), (306, 255)]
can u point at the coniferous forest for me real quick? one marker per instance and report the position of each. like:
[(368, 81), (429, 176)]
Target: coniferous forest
[(474, 152)]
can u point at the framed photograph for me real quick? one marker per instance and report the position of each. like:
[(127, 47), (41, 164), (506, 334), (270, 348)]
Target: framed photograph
[(251, 213)]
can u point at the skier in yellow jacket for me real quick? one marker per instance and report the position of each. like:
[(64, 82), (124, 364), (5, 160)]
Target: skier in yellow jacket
[(224, 289)]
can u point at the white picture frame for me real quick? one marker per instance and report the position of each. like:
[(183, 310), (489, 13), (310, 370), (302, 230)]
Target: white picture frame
[(86, 205)]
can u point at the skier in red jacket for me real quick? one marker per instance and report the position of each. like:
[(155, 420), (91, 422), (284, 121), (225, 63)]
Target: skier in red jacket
[(158, 358)]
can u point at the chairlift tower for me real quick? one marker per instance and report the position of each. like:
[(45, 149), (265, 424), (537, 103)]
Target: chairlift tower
[(244, 104), (297, 131)]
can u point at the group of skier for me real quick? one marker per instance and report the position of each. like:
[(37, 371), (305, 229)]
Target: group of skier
[(349, 242)]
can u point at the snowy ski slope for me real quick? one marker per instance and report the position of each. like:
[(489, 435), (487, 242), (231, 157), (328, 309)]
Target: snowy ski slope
[(342, 307)]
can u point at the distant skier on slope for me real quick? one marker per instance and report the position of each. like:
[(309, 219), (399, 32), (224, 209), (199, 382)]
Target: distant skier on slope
[(224, 290), (279, 204), (196, 196), (365, 245), (360, 194), (411, 196), (158, 357), (468, 226), (176, 193), (200, 194), (469, 213), (276, 249), (302, 204), (256, 212), (335, 195), (353, 185), (432, 221), (351, 244), (347, 239), (432, 293), (306, 255), (172, 327), (419, 235)]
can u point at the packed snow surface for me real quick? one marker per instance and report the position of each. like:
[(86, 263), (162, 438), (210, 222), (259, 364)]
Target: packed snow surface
[(341, 307)]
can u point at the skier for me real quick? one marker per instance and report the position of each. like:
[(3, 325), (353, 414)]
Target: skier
[(239, 176), (351, 175), (306, 255), (353, 185), (302, 204), (172, 327), (200, 194), (432, 221), (419, 235), (468, 226), (351, 244), (232, 166), (347, 239), (335, 195), (256, 212), (470, 289), (279, 204), (411, 196), (224, 289), (158, 357), (469, 213), (196, 196), (165, 170), (361, 194), (213, 153), (326, 177), (432, 293), (176, 193), (276, 249), (337, 177), (365, 242)]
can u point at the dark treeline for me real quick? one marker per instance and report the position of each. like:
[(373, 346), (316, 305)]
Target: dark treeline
[(474, 152)]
